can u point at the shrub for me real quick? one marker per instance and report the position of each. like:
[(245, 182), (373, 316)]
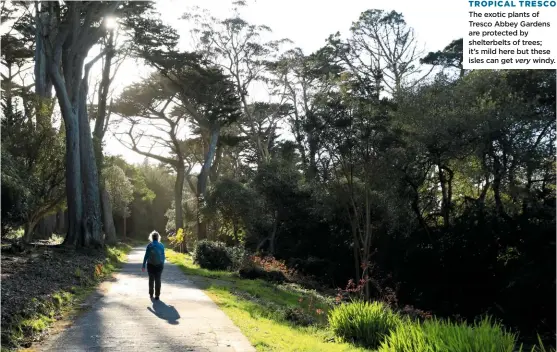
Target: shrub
[(265, 268), (212, 255), (297, 316), (252, 272), (177, 239), (445, 336), (363, 323), (236, 255), (269, 263)]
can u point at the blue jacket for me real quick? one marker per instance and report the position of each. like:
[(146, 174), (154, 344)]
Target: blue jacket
[(154, 246)]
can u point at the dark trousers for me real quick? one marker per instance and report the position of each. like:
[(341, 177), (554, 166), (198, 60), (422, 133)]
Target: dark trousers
[(154, 279)]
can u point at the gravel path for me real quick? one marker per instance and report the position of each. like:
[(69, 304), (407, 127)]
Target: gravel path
[(125, 319)]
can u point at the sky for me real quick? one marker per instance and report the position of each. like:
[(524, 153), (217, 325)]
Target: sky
[(307, 23)]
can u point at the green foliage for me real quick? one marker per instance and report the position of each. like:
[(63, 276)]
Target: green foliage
[(236, 204), (212, 255), (441, 335), (181, 238), (363, 322), (237, 255), (120, 189), (32, 162), (137, 178), (178, 238), (451, 56)]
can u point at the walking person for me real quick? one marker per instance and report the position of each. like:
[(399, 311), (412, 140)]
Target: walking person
[(154, 258)]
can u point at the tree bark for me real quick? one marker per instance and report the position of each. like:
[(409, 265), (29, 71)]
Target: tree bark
[(446, 191), (93, 226), (43, 86), (73, 181), (28, 230), (98, 135), (178, 193), (202, 181)]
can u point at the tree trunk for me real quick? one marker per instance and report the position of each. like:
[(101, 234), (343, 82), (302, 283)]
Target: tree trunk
[(74, 188), (92, 235), (203, 175), (202, 181), (108, 219), (446, 192), (496, 185), (356, 252), (214, 170), (43, 86), (98, 135), (73, 182), (312, 170), (178, 192), (29, 230)]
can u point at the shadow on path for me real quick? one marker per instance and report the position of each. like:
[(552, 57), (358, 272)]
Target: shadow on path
[(164, 311)]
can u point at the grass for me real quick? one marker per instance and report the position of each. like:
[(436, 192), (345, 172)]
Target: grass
[(269, 315), (366, 323), (63, 304), (444, 335)]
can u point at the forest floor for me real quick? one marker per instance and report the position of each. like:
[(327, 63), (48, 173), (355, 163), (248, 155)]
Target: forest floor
[(43, 282), (274, 317)]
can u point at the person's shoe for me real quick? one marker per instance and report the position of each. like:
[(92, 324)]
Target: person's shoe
[(151, 296), (157, 298)]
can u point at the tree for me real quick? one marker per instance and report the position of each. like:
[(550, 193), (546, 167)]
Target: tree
[(65, 33), (120, 191), (355, 134), (382, 52), (32, 151), (450, 57), (148, 102), (237, 206), (236, 47), (209, 98), (33, 174), (305, 79), (114, 55)]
